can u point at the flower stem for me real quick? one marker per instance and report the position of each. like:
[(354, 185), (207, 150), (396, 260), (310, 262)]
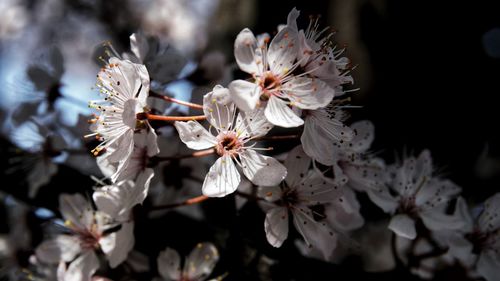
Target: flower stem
[(285, 137), (196, 154), (169, 99), (190, 201), (174, 118)]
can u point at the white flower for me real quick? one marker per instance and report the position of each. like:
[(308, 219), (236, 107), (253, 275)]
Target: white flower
[(300, 193), (318, 55), (125, 86), (477, 245), (90, 231), (197, 266), (117, 200), (279, 83), (232, 133), (322, 129), (418, 196), (136, 164)]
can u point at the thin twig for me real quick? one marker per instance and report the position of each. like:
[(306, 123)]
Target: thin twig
[(190, 201), (169, 99)]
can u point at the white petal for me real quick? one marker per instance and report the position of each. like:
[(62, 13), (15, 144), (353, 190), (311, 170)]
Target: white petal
[(139, 46), (488, 265), (244, 94), (201, 261), (339, 216), (308, 93), (316, 144), (219, 108), (278, 113), (252, 123), (382, 198), (297, 164), (260, 169), (76, 210), (292, 19), (123, 243), (245, 47), (489, 220), (403, 226), (276, 226), (283, 51), (435, 192), (270, 193), (169, 264), (363, 137), (194, 135), (61, 248), (82, 268), (461, 248), (222, 179), (315, 234)]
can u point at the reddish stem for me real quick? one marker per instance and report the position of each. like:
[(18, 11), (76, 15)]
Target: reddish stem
[(190, 201), (175, 118), (169, 99)]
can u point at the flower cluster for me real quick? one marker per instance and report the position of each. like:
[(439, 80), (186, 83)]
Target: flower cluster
[(294, 87)]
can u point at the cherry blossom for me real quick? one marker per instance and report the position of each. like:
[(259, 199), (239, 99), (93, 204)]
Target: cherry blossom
[(230, 140), (278, 82)]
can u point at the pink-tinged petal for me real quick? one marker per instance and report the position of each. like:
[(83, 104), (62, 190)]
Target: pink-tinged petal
[(297, 164), (316, 235), (276, 226), (139, 46), (245, 47), (488, 265), (222, 179), (283, 51), (252, 123), (82, 268), (169, 264), (123, 241), (270, 193), (201, 261), (194, 135), (219, 108), (61, 248), (308, 93), (244, 94), (403, 226), (278, 113), (76, 210), (261, 170)]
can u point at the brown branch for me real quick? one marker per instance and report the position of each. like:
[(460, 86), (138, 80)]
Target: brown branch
[(169, 99)]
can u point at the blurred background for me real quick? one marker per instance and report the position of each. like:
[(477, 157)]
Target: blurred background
[(428, 74)]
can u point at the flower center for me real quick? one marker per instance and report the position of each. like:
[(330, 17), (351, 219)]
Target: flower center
[(88, 240), (269, 84), (228, 144)]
